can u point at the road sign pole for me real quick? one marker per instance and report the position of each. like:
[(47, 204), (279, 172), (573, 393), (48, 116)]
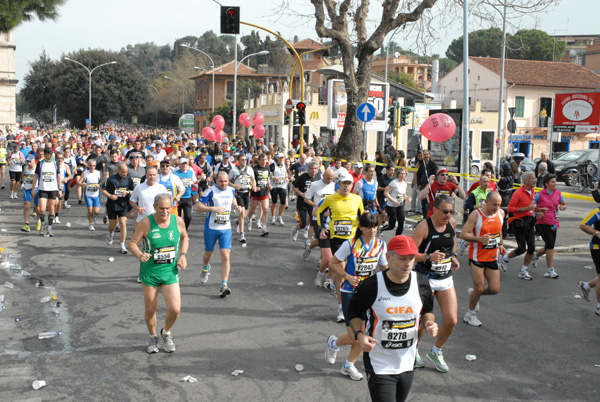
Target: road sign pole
[(365, 140)]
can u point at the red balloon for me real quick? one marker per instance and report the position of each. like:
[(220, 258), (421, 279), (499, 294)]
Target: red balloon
[(438, 127), (258, 119), (259, 131), (245, 119), (208, 133), (220, 136), (219, 122)]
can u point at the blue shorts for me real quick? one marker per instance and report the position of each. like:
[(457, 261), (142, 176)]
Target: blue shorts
[(194, 192), (27, 197), (346, 297), (92, 202), (211, 236), (36, 198)]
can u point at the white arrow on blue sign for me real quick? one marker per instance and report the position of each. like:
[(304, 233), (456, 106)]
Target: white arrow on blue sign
[(366, 112)]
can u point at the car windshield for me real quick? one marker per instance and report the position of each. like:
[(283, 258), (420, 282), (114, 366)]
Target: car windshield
[(527, 161), (573, 156)]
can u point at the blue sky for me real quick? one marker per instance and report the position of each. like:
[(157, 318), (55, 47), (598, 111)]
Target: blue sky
[(113, 24)]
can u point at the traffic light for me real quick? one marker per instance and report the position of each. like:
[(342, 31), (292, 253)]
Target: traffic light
[(295, 120), (230, 20), (301, 113), (404, 112), (392, 115), (286, 119)]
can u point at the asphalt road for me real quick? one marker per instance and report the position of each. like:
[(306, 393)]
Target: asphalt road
[(538, 342)]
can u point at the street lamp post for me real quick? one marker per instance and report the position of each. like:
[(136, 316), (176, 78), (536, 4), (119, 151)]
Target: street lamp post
[(182, 93), (235, 69), (213, 73), (90, 74)]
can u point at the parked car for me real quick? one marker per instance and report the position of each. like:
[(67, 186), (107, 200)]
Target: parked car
[(567, 164), (527, 164)]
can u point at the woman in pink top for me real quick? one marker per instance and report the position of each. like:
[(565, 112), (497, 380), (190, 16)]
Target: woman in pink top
[(548, 223)]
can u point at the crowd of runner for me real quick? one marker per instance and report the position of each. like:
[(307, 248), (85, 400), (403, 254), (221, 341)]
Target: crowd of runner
[(158, 178)]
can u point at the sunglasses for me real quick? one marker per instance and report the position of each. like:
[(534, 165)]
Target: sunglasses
[(446, 212), (443, 174)]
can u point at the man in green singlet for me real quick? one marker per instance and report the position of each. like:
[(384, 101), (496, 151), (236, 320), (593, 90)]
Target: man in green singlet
[(163, 235)]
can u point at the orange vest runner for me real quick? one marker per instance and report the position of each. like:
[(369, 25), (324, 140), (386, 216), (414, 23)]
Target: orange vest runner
[(491, 225)]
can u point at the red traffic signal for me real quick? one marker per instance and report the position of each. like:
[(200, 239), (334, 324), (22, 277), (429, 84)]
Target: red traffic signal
[(300, 106)]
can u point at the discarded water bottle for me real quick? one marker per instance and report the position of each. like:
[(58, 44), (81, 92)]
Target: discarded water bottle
[(55, 310), (1, 298), (45, 299), (45, 335), (53, 295), (9, 285), (26, 274), (5, 264)]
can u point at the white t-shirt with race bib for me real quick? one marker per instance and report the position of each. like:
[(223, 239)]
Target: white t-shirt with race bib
[(214, 197), (92, 183)]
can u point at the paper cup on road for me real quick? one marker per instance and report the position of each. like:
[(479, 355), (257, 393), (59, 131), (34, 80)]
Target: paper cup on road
[(37, 384), (68, 224), (111, 259), (299, 367)]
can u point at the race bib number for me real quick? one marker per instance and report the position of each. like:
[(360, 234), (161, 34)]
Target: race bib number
[(444, 192), (29, 179), (397, 334), (342, 228), (400, 199), (493, 243), (556, 214), (92, 188), (366, 266), (15, 161), (279, 180), (48, 177), (164, 255), (187, 182), (222, 219), (245, 182), (120, 192), (442, 267), (2, 160)]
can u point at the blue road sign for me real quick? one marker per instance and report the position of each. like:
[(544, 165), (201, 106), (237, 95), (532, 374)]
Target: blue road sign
[(366, 112)]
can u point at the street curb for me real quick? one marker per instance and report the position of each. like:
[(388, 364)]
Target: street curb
[(577, 248)]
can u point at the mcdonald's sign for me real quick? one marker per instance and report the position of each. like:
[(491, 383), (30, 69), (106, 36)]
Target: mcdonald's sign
[(314, 115)]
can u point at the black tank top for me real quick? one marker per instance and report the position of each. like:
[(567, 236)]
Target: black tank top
[(442, 241)]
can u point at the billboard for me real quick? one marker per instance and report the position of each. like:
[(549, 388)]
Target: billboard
[(337, 103), (577, 113), (447, 153), (186, 123)]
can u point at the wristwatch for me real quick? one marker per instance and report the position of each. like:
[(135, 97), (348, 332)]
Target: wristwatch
[(427, 257), (454, 255), (356, 334)]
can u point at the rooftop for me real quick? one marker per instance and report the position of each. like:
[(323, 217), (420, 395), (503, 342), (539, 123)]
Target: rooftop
[(542, 73)]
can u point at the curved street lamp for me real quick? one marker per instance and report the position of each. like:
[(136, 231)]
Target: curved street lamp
[(90, 75), (213, 72)]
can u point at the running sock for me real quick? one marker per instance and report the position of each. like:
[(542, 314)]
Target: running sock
[(241, 233), (524, 268), (152, 336), (339, 305), (598, 306), (435, 350), (586, 286), (223, 283), (470, 312), (43, 218), (122, 245), (56, 214), (348, 364), (50, 220), (207, 268)]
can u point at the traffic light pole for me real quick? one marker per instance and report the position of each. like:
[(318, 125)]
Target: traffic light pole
[(299, 60)]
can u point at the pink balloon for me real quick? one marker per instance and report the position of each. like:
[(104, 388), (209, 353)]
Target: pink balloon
[(245, 119), (258, 119), (208, 133), (438, 127), (219, 122), (259, 131), (220, 136)]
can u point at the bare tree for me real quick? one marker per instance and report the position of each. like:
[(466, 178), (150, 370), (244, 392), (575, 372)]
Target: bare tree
[(347, 23)]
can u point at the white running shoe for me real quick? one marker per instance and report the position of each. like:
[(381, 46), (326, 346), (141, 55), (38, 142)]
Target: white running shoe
[(319, 279), (471, 319), (281, 221), (352, 372), (273, 220), (340, 315), (109, 239), (551, 274), (525, 275), (67, 206), (91, 228), (534, 260), (584, 293), (56, 220), (330, 351)]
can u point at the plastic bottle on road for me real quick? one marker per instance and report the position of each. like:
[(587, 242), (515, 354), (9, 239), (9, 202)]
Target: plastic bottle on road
[(9, 285), (1, 298), (45, 335), (45, 299), (53, 295)]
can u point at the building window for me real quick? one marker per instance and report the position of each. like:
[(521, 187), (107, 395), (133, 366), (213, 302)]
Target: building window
[(487, 145), (519, 106), (230, 88), (307, 56)]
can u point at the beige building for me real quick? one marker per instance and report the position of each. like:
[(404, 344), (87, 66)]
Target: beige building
[(529, 87), (8, 83), (404, 64)]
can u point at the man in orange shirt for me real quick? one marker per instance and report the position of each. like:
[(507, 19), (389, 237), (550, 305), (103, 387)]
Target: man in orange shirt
[(522, 207), (483, 230)]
